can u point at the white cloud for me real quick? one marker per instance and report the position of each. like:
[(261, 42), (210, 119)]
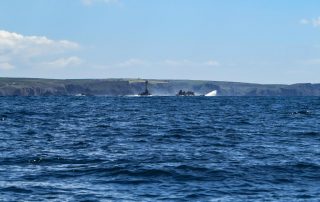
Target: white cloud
[(138, 63), (304, 21), (90, 2), (19, 50), (212, 63), (315, 22), (6, 66), (64, 62), (186, 62), (183, 62), (17, 42), (312, 62), (132, 62)]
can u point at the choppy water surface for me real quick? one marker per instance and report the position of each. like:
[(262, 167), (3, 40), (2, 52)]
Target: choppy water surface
[(159, 149)]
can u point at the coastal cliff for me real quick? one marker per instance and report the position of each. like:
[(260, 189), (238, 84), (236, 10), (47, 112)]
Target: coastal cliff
[(123, 87)]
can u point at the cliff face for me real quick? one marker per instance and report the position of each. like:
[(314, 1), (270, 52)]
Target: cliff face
[(121, 87), (46, 87)]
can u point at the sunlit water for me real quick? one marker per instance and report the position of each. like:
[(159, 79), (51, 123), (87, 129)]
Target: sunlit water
[(159, 148)]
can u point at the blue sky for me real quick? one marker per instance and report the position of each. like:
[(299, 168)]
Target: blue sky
[(262, 41)]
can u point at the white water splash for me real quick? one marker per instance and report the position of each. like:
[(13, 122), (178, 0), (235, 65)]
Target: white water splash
[(212, 93)]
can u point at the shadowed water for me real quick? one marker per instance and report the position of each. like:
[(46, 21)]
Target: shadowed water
[(159, 148)]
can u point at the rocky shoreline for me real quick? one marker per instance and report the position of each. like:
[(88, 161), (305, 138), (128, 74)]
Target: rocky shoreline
[(123, 87)]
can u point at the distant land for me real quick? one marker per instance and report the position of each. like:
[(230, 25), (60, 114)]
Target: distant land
[(124, 87)]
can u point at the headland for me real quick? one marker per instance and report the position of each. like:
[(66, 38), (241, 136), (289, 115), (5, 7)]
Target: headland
[(127, 87)]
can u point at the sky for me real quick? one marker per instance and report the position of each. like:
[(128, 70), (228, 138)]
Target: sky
[(256, 41)]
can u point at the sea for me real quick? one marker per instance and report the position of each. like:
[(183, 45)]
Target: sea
[(159, 148)]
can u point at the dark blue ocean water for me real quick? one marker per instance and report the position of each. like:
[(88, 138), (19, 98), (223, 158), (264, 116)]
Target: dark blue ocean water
[(159, 149)]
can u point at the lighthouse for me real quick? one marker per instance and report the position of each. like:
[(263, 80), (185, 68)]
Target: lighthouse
[(146, 91)]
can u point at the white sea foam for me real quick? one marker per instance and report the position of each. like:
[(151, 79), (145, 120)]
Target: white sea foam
[(212, 93)]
